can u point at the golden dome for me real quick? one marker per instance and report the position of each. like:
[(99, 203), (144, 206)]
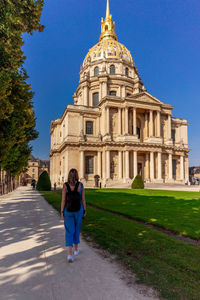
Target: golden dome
[(108, 46)]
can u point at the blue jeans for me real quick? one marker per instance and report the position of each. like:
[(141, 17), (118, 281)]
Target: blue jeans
[(73, 221)]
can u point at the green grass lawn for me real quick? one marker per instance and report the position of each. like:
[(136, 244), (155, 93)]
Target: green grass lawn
[(161, 261), (170, 266), (176, 211)]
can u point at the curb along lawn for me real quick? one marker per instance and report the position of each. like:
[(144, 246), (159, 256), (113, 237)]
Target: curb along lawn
[(167, 264)]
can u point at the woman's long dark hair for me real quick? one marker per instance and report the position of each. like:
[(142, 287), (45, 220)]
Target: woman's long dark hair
[(73, 177)]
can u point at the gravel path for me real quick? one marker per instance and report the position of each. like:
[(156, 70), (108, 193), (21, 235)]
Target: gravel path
[(33, 261)]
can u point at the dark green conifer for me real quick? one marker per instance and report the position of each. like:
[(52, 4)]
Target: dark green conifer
[(138, 183), (44, 183)]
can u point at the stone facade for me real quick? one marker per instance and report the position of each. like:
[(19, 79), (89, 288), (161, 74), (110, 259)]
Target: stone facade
[(35, 168), (116, 129)]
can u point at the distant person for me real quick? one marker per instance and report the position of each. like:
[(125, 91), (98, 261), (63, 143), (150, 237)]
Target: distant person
[(73, 210), (55, 186), (33, 184)]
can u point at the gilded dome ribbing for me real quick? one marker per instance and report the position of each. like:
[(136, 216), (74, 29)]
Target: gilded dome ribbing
[(108, 48)]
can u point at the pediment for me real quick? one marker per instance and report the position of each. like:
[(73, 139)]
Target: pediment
[(145, 97)]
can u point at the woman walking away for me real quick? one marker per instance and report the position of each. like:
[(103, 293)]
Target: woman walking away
[(73, 209)]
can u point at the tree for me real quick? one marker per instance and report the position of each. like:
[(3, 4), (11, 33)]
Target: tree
[(17, 120), (44, 183), (138, 183)]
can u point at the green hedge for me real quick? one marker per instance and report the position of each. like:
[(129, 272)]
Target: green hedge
[(138, 183), (44, 183)]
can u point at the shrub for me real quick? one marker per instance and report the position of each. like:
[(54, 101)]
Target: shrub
[(44, 183), (138, 183)]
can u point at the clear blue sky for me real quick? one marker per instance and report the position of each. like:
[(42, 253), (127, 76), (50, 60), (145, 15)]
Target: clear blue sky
[(162, 35)]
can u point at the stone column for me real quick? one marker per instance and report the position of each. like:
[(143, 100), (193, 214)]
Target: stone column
[(123, 91), (152, 165), (120, 91), (103, 118), (146, 125), (159, 166), (186, 169), (134, 121), (81, 164), (85, 95), (81, 124), (108, 120), (104, 165), (104, 89), (126, 120), (158, 123), (120, 164), (181, 167), (119, 121), (99, 164), (169, 128), (107, 164), (151, 123), (127, 164), (135, 166), (147, 165), (170, 167), (100, 91)]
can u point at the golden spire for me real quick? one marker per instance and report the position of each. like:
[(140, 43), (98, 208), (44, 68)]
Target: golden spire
[(107, 10), (108, 26)]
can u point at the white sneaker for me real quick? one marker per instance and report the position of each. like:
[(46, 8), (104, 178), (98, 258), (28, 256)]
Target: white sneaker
[(70, 258), (76, 252)]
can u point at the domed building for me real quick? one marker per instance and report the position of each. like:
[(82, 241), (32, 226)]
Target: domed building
[(116, 129)]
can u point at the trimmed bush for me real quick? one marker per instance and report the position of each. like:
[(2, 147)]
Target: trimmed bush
[(138, 183), (44, 183)]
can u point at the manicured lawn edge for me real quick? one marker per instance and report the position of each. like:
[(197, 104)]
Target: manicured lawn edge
[(153, 226), (169, 210), (168, 265)]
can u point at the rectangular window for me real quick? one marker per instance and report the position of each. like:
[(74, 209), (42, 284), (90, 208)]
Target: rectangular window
[(89, 162), (113, 93), (173, 135), (174, 167), (95, 99), (89, 127)]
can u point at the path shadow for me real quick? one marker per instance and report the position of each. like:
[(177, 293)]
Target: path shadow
[(31, 246)]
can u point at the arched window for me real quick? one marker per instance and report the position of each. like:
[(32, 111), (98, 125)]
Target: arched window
[(96, 71), (113, 93), (106, 27), (112, 69), (127, 72), (95, 99)]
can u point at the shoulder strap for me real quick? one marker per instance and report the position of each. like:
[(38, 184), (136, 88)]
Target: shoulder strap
[(68, 187)]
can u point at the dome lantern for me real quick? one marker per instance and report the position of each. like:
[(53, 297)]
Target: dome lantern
[(108, 26)]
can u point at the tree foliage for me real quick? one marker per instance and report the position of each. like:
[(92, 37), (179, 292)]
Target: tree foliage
[(44, 183), (17, 120), (138, 183)]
